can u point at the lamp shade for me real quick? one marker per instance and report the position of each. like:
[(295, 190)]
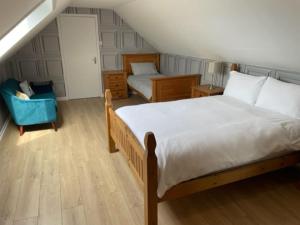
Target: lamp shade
[(213, 67)]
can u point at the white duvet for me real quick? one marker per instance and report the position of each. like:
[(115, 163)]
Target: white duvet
[(199, 136), (143, 83)]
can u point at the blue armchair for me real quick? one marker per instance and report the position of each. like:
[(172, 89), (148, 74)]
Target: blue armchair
[(41, 108)]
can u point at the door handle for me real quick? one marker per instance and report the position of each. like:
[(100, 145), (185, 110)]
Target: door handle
[(95, 60)]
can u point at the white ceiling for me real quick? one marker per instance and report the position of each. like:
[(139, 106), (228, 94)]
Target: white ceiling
[(257, 32), (99, 3)]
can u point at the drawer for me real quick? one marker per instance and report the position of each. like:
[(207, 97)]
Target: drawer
[(116, 86), (202, 94), (118, 94), (115, 77)]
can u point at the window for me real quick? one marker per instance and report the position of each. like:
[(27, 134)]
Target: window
[(25, 26)]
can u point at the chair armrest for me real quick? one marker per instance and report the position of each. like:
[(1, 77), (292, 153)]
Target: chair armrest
[(34, 111)]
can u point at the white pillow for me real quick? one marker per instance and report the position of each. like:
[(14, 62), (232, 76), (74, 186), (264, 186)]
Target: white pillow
[(280, 97), (25, 87), (244, 87), (143, 68)]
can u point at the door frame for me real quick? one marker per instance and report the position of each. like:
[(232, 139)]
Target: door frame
[(65, 73)]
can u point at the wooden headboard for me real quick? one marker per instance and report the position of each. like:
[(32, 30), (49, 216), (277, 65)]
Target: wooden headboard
[(234, 67), (139, 58)]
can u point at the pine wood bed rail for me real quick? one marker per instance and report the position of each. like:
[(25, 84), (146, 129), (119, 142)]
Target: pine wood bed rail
[(142, 161), (173, 87)]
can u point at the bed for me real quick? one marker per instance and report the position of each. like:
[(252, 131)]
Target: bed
[(157, 88), (272, 137)]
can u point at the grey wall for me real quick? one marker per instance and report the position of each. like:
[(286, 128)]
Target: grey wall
[(4, 74), (176, 64), (40, 59), (116, 37)]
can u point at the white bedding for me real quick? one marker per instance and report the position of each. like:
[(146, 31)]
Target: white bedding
[(142, 83), (199, 136)]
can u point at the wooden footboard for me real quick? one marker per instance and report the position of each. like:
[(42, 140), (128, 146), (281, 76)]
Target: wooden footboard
[(173, 87), (142, 160)]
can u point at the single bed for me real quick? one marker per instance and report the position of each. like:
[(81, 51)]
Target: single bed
[(208, 141), (157, 87)]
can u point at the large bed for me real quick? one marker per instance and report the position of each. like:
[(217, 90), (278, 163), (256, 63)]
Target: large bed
[(204, 143), (157, 87)]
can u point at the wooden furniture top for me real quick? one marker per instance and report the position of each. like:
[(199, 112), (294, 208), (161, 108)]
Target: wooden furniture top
[(108, 72), (139, 58), (205, 89)]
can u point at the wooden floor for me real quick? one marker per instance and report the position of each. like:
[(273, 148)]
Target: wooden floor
[(68, 177)]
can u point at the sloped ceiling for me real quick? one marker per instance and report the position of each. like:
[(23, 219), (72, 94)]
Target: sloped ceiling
[(59, 5), (258, 32), (109, 4), (9, 17)]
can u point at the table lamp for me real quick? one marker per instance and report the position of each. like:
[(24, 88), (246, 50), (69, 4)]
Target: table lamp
[(212, 70)]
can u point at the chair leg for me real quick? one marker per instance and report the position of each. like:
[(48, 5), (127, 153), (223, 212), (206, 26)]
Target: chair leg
[(53, 124), (21, 130)]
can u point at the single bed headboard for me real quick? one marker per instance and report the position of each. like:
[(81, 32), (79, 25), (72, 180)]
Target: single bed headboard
[(139, 58), (234, 67)]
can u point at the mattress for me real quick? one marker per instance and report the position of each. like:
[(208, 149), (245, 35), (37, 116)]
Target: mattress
[(142, 83), (196, 137)]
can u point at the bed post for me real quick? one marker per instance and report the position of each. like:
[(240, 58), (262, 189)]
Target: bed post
[(150, 181), (108, 106)]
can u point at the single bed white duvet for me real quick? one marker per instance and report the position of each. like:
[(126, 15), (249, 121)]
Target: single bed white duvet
[(143, 83), (199, 136)]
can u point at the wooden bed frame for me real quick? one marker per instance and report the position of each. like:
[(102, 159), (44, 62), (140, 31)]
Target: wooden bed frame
[(163, 88), (143, 163)]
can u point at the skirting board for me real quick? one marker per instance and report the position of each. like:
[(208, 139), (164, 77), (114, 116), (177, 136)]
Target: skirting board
[(62, 98), (4, 127)]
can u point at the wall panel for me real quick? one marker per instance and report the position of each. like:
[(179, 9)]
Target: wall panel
[(199, 66), (40, 59)]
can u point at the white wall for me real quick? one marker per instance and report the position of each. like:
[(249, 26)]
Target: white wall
[(258, 32)]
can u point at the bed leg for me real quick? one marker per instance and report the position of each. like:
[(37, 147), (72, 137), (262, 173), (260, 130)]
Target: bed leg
[(108, 106), (150, 181)]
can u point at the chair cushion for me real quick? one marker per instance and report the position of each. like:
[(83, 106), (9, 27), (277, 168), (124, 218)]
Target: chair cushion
[(22, 95), (25, 87), (42, 87)]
